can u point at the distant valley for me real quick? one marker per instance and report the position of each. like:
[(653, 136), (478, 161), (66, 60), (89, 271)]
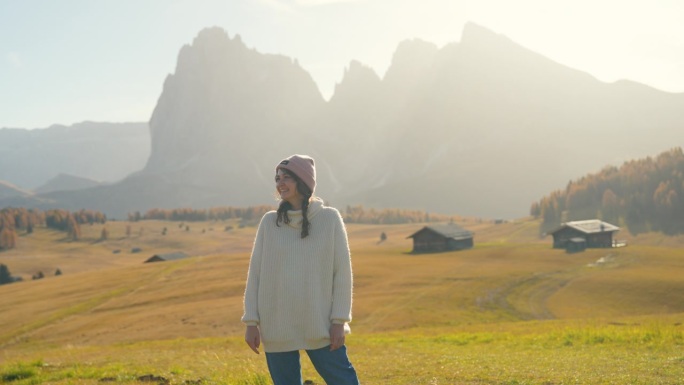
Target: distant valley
[(101, 152)]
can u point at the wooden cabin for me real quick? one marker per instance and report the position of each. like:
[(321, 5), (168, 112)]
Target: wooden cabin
[(593, 232), (166, 257), (444, 237)]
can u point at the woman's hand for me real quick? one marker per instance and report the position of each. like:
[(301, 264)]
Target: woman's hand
[(336, 336), (253, 338)]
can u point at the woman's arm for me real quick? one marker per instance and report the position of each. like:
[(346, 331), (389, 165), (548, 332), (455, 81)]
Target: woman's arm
[(251, 312), (342, 276)]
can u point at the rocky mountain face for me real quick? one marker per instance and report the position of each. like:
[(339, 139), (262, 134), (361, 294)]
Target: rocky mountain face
[(481, 127), (225, 111), (491, 123), (105, 152)]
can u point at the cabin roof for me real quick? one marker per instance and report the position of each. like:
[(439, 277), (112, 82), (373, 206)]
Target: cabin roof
[(590, 226), (449, 230), (168, 256)]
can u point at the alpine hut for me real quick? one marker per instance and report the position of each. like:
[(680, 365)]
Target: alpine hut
[(166, 257), (441, 237), (592, 233)]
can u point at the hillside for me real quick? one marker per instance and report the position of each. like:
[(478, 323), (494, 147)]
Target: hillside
[(65, 182), (642, 194), (8, 190), (93, 150), (510, 276), (512, 310)]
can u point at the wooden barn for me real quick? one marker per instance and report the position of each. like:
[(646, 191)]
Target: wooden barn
[(577, 235), (444, 237), (166, 257)]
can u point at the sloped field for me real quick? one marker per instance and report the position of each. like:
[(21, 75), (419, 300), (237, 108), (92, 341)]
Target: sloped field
[(452, 318)]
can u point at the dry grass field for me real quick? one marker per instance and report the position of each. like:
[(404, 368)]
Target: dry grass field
[(512, 310)]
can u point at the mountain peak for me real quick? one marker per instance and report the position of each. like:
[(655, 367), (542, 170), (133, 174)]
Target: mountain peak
[(212, 33), (477, 34), (225, 95), (217, 35), (498, 51), (358, 79), (357, 69), (410, 61)]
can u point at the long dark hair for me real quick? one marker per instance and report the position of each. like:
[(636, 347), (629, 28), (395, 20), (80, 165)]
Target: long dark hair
[(284, 206)]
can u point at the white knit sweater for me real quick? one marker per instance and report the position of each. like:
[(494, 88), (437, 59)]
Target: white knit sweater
[(297, 287)]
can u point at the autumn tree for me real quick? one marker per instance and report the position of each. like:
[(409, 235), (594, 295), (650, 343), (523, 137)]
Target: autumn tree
[(73, 228), (8, 237), (610, 206), (644, 195)]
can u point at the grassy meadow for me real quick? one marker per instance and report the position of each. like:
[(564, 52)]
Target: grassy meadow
[(512, 310)]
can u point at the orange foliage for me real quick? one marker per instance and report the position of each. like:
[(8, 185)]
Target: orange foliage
[(641, 194)]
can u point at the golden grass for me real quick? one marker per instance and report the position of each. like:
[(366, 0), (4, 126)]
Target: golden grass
[(477, 316)]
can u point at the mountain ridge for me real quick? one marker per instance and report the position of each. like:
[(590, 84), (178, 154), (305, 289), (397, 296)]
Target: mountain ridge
[(66, 182), (480, 127), (95, 150)]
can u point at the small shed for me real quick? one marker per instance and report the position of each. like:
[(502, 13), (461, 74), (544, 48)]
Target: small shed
[(594, 232), (166, 257), (441, 237)]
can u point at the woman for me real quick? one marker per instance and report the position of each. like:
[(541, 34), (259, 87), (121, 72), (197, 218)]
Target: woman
[(299, 285)]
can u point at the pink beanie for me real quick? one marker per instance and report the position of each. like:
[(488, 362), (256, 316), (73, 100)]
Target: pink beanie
[(303, 167)]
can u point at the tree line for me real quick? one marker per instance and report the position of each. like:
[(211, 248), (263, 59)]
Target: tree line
[(14, 220), (643, 195), (359, 214), (352, 214), (202, 215)]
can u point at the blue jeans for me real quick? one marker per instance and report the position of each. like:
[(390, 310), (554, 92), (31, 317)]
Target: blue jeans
[(334, 367)]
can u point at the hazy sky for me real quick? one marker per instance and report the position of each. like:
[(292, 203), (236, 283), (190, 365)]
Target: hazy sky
[(105, 60)]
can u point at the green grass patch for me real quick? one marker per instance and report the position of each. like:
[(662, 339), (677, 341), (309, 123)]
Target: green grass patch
[(20, 371), (532, 353)]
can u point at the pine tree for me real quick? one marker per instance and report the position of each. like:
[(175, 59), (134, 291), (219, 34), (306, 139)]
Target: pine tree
[(5, 276)]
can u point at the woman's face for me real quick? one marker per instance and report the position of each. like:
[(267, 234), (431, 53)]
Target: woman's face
[(286, 185)]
